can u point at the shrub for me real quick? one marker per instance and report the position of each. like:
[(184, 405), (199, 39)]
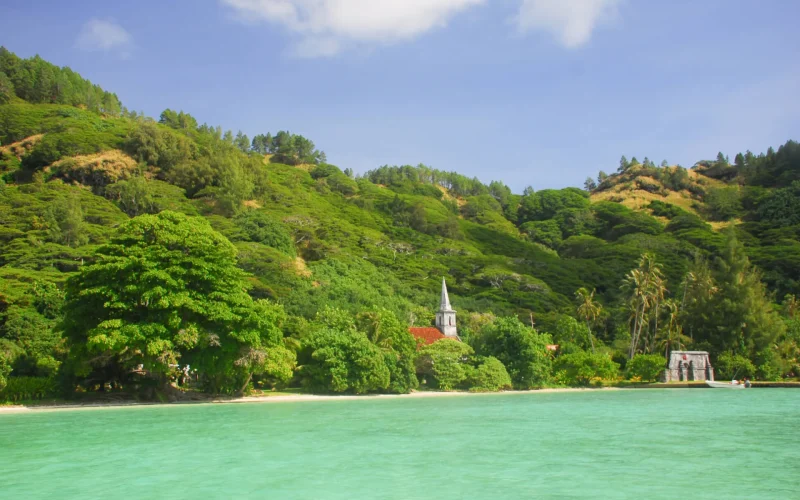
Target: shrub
[(489, 376), (581, 368), (646, 367), (731, 365), (27, 388), (261, 228)]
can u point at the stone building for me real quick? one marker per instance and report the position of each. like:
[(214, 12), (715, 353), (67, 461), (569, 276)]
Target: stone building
[(445, 322), (686, 366)]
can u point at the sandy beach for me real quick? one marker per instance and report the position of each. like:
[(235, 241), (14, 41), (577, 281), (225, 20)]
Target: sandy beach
[(282, 398)]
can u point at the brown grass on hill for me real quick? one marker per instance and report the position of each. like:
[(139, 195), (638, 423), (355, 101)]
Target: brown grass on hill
[(626, 190), (23, 147), (95, 170), (300, 267), (447, 196), (252, 204)]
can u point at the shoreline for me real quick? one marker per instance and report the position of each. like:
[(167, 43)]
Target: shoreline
[(285, 398), (300, 398)]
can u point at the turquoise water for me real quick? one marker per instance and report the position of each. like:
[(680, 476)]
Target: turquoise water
[(599, 444)]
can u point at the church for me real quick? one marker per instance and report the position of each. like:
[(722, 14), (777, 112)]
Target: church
[(445, 322)]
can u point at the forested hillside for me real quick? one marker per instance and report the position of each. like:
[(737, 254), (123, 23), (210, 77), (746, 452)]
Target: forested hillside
[(266, 264)]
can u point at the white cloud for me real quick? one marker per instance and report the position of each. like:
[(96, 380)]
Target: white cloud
[(570, 21), (103, 35), (325, 27)]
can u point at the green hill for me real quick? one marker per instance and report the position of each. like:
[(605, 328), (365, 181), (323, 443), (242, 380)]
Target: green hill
[(311, 236)]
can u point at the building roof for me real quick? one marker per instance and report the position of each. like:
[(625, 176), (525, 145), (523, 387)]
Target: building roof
[(427, 334)]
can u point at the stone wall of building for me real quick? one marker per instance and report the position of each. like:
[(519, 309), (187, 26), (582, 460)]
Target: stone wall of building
[(686, 366)]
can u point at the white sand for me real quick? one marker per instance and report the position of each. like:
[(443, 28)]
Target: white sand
[(283, 398)]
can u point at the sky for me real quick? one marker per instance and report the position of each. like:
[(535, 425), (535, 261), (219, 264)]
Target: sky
[(539, 93)]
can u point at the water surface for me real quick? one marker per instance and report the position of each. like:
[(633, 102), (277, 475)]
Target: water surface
[(679, 443)]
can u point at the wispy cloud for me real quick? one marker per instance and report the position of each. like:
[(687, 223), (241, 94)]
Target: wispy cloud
[(106, 36), (571, 22), (326, 27)]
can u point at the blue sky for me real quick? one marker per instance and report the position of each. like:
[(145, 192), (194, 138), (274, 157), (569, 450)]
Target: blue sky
[(531, 92)]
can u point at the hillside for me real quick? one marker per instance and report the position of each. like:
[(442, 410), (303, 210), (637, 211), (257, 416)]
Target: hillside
[(312, 236)]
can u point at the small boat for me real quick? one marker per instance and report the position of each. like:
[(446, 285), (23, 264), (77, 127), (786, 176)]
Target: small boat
[(726, 385)]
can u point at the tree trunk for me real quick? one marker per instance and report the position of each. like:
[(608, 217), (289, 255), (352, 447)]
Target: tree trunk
[(249, 377)]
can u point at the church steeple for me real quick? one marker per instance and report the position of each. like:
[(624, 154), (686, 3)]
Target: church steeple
[(444, 304), (446, 317)]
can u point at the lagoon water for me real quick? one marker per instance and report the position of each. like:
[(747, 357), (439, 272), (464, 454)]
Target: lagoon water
[(685, 443)]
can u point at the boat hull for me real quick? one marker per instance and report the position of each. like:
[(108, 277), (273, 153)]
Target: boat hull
[(724, 385)]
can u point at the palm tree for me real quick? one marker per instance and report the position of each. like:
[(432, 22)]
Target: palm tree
[(588, 309), (673, 337), (659, 289), (644, 283)]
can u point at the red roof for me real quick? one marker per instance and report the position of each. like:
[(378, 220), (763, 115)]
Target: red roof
[(427, 335)]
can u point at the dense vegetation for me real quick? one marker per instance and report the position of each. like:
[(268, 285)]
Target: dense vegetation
[(135, 253)]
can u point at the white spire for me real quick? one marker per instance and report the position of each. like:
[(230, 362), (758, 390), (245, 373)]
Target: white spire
[(446, 317), (444, 304)]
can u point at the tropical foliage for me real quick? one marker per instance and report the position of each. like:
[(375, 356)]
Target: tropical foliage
[(139, 253)]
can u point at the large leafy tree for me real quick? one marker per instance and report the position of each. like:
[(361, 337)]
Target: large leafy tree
[(342, 360), (165, 290), (383, 329), (521, 349)]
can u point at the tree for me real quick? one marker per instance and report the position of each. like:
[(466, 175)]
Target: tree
[(342, 360), (644, 284), (133, 196), (721, 159), (601, 177), (724, 203), (165, 290), (589, 184), (64, 220), (384, 330), (623, 164), (6, 88), (520, 348), (740, 316), (445, 362), (588, 310), (242, 142)]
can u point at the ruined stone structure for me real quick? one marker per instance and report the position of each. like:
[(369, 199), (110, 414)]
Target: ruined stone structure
[(686, 366)]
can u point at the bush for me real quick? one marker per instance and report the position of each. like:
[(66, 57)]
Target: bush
[(582, 368), (262, 228), (27, 388), (647, 367), (729, 366), (489, 376)]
